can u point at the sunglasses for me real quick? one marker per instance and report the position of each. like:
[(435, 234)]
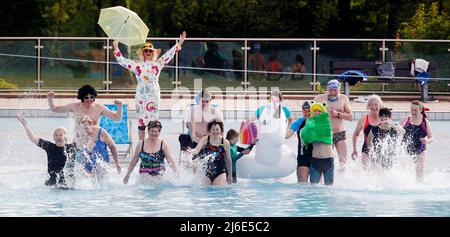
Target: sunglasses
[(205, 101), (148, 50), (89, 97)]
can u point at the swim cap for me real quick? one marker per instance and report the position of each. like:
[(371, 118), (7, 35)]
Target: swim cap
[(333, 84), (306, 105)]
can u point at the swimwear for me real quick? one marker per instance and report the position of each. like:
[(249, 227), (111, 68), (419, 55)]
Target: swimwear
[(322, 166), (99, 152), (339, 136), (56, 161), (304, 154), (152, 163), (384, 146), (413, 134), (214, 166), (366, 130)]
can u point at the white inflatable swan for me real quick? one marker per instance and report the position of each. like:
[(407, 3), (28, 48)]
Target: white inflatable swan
[(270, 158)]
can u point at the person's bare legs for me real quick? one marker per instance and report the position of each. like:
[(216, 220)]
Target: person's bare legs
[(206, 181), (419, 166), (220, 180), (341, 148), (365, 161), (302, 174)]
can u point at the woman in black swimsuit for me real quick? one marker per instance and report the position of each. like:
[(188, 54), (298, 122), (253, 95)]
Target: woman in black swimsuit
[(365, 124), (417, 135), (214, 152)]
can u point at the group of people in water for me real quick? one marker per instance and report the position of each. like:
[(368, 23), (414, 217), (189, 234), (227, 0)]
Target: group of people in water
[(320, 130), (383, 139)]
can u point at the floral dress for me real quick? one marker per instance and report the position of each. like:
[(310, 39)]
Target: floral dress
[(147, 91)]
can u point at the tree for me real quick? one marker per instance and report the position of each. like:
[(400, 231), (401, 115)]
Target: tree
[(426, 24), (21, 18)]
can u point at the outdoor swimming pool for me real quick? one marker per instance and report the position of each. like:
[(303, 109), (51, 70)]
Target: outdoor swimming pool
[(355, 193)]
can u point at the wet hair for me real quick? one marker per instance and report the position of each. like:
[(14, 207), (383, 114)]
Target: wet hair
[(385, 112), (213, 123), (422, 108), (154, 124), (232, 134), (376, 98), (299, 59), (86, 90)]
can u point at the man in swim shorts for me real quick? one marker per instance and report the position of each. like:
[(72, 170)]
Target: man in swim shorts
[(338, 106)]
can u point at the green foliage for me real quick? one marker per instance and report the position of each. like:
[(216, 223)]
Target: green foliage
[(4, 84), (427, 23), (235, 18), (21, 18)]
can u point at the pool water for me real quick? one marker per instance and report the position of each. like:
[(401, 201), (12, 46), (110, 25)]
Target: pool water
[(354, 193)]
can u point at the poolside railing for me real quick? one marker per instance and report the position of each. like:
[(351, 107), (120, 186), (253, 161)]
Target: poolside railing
[(66, 63)]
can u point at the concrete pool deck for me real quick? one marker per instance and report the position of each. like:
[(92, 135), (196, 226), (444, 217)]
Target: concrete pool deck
[(37, 106)]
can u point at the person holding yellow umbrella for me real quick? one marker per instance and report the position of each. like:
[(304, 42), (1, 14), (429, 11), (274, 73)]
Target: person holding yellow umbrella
[(147, 70)]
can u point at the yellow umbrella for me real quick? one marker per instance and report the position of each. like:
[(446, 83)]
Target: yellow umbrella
[(124, 25)]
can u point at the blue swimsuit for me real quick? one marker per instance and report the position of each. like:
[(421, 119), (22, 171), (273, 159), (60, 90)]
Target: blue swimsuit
[(100, 151)]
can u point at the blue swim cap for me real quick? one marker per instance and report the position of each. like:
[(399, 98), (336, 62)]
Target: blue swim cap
[(333, 84)]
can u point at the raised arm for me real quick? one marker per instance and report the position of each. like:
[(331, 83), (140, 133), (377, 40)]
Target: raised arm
[(218, 115), (124, 62), (167, 57), (288, 114), (58, 109), (112, 146), (169, 157), (294, 127), (30, 132), (113, 115)]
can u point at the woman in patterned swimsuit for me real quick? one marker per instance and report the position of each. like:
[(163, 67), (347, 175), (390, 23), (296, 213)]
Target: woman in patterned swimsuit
[(152, 152)]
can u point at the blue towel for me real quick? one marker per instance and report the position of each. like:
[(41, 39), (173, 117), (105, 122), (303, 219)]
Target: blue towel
[(353, 77)]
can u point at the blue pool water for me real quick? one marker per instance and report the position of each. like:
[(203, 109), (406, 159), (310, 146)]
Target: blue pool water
[(355, 193)]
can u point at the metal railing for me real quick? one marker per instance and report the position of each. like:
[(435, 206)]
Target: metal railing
[(54, 57)]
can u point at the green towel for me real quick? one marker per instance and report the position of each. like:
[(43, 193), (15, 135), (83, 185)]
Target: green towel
[(317, 129)]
